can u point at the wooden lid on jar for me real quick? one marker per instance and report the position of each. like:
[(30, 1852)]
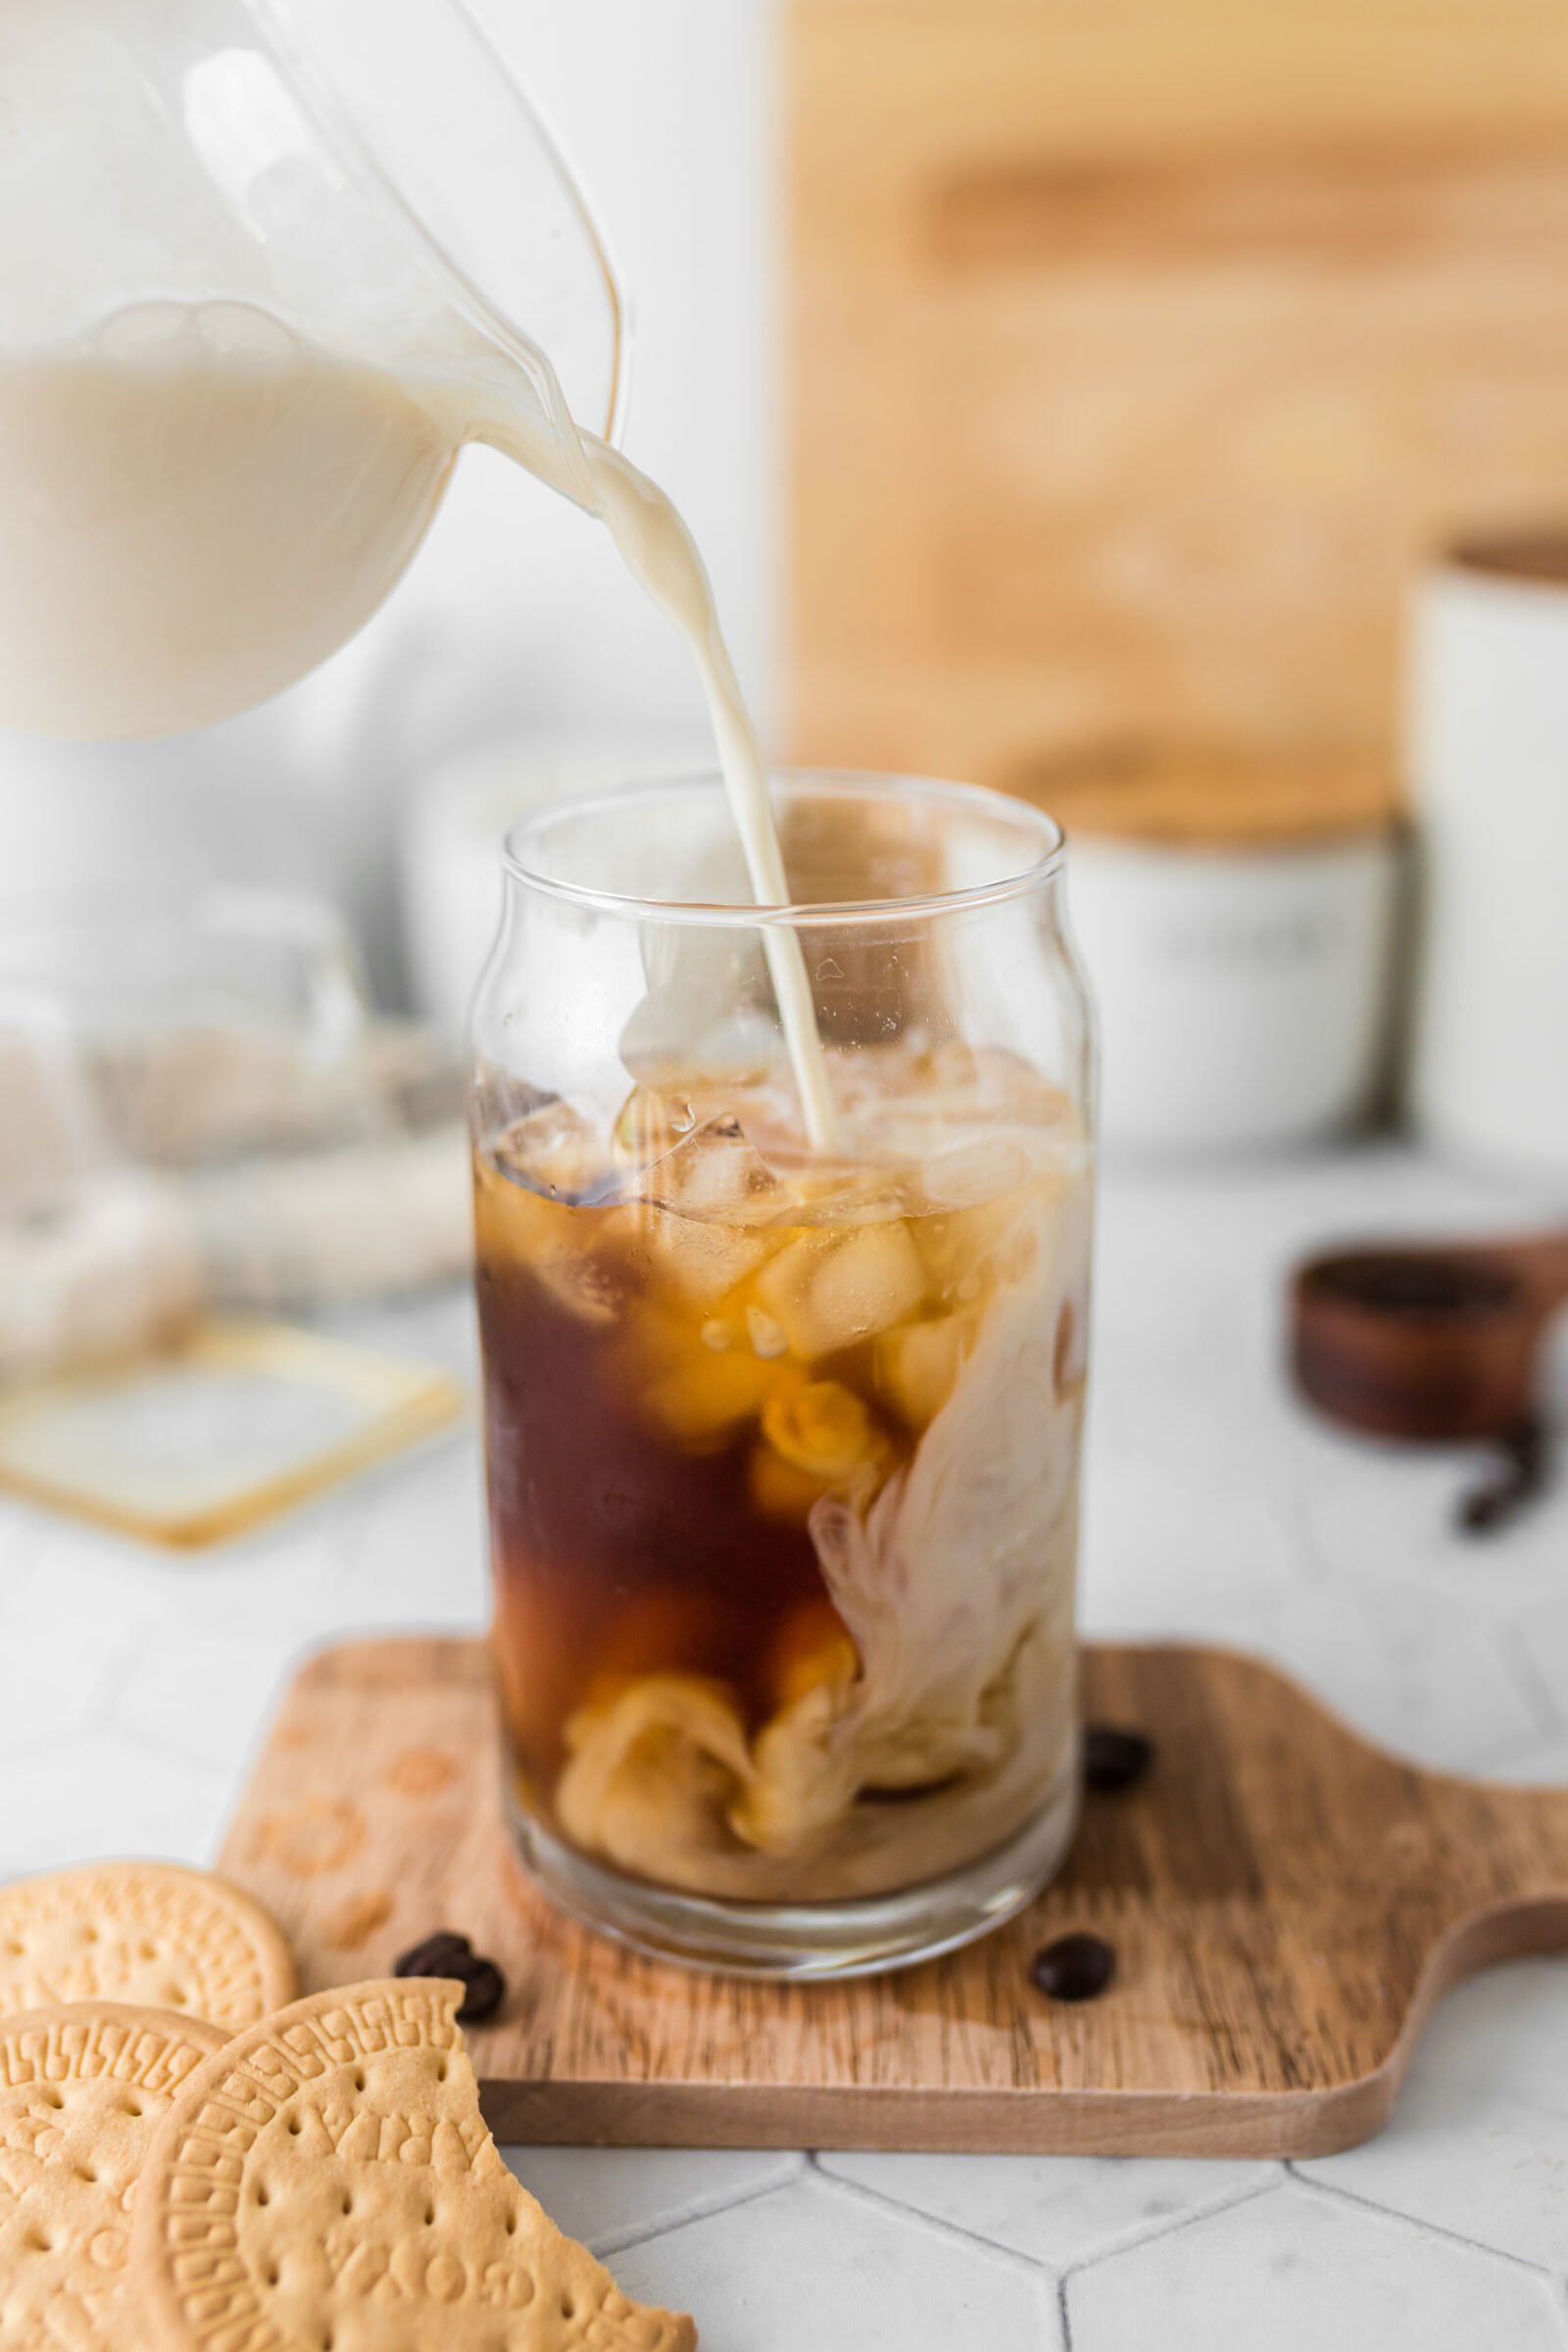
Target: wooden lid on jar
[(1536, 556), (1222, 797)]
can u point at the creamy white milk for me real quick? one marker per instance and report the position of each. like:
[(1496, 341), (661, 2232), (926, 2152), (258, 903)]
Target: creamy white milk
[(197, 506), (195, 509)]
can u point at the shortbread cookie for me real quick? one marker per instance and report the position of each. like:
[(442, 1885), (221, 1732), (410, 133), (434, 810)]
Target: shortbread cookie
[(327, 2180), (82, 2089), (146, 1932)]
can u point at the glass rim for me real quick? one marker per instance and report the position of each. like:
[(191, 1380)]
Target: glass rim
[(976, 800)]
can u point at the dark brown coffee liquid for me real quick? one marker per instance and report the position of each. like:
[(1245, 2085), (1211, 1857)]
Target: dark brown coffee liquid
[(619, 1552), (782, 1466)]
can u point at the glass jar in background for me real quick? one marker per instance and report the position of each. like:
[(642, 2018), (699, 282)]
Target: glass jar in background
[(783, 1443), (199, 1115), (173, 1029)]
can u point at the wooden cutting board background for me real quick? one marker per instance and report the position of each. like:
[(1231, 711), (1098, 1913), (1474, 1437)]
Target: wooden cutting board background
[(1141, 349), (1285, 1904)]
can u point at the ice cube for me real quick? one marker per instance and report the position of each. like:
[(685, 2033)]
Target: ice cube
[(701, 1397), (834, 1288), (557, 1244), (969, 1253), (918, 1365), (594, 1288), (765, 1336), (984, 1167), (552, 1150), (944, 1102), (822, 1428), (717, 1171), (699, 1208), (850, 1193), (650, 1123), (697, 1263)]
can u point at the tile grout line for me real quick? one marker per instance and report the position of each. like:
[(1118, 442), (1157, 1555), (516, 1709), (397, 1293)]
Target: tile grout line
[(702, 2209), (120, 1670), (107, 1686), (1523, 1673), (1305, 1565), (1140, 2233), (183, 1759), (1191, 2218), (1333, 2190), (855, 2191)]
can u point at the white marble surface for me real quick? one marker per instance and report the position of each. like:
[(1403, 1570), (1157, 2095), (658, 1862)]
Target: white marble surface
[(133, 1689)]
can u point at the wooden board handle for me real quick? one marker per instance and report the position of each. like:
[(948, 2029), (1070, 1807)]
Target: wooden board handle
[(1285, 1903)]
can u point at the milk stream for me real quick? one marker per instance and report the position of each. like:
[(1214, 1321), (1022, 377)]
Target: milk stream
[(663, 556), (197, 506)]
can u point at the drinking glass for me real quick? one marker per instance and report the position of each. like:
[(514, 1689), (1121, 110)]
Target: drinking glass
[(783, 1442)]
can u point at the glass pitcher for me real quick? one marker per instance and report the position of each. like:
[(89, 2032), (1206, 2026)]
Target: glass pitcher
[(264, 266)]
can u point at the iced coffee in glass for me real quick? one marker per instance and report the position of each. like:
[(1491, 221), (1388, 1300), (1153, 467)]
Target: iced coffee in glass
[(784, 1403)]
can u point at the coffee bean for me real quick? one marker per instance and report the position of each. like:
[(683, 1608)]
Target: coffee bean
[(440, 1955), (447, 1955), (1114, 1759), (1524, 1474), (1075, 1968), (487, 1990)]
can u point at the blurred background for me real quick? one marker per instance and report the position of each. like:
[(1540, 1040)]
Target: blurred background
[(1153, 409), (1086, 402), (518, 618)]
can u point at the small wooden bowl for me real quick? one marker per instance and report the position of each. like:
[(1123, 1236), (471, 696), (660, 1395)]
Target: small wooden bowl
[(1438, 1343)]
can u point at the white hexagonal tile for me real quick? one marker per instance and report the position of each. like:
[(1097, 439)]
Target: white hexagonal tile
[(201, 1693), (283, 1588), (1490, 2169), (23, 1529), (80, 1573), (1387, 1514), (1542, 1626), (611, 2197), (1056, 2209), (1298, 2272), (76, 1800), (1431, 1684), (1165, 1558), (812, 2267), (1505, 2030), (419, 1554), (1479, 2141), (58, 1674)]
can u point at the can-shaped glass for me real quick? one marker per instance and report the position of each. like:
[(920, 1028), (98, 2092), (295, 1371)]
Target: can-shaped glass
[(783, 1409)]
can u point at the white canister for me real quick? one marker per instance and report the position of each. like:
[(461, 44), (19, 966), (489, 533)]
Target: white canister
[(1488, 765), (1237, 919)]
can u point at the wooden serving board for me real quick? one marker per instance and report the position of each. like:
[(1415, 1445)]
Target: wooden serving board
[(1285, 1902), (1142, 351)]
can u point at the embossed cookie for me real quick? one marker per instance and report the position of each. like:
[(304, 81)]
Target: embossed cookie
[(147, 1933), (327, 2180), (81, 2092)]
